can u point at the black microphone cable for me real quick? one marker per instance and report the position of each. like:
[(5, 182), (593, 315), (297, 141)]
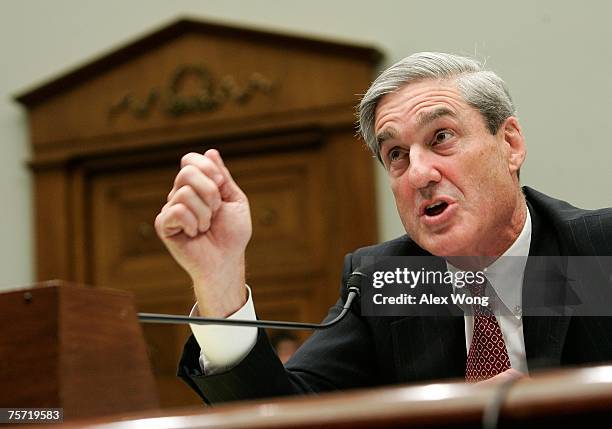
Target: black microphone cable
[(352, 285)]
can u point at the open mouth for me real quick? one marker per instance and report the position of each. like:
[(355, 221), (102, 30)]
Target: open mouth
[(436, 208)]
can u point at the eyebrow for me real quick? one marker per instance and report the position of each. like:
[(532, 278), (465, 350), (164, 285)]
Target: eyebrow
[(423, 119), (388, 134)]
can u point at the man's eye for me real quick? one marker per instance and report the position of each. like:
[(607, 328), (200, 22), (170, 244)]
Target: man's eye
[(395, 154), (441, 137)]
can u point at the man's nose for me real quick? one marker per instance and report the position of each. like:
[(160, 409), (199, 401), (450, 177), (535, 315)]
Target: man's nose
[(422, 170)]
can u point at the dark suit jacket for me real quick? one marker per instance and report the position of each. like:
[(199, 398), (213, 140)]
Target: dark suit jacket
[(371, 351)]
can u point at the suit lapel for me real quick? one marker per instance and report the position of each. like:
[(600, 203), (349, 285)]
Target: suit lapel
[(431, 347), (544, 284), (431, 343)]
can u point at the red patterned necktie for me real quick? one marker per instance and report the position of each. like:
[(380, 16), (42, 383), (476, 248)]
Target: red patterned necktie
[(487, 356)]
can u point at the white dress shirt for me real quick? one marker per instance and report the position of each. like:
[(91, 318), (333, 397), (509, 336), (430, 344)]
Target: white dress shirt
[(223, 347), (506, 278)]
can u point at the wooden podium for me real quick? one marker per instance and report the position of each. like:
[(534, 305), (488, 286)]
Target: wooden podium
[(73, 347), (580, 397)]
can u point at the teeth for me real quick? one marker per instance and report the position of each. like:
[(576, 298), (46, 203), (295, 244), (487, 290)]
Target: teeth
[(434, 205)]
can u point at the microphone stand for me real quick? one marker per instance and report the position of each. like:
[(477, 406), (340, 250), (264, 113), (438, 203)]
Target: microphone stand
[(353, 291)]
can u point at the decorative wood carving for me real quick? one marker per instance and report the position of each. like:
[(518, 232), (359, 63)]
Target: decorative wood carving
[(208, 95)]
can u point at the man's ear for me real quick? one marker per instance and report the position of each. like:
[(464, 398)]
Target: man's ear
[(513, 138)]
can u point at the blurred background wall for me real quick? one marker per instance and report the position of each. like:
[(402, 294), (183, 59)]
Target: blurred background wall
[(554, 56)]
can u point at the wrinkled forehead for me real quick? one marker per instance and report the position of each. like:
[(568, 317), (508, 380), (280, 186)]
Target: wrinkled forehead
[(420, 102)]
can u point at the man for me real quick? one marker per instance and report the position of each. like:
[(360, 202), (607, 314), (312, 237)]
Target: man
[(444, 129)]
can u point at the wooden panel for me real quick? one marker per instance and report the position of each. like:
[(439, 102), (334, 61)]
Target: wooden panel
[(351, 195), (287, 210), (288, 214), (73, 347), (103, 354), (292, 306), (31, 381), (52, 225), (126, 252), (301, 79), (164, 346), (103, 172)]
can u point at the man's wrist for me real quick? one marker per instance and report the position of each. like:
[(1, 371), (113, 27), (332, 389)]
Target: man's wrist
[(223, 292), (221, 305)]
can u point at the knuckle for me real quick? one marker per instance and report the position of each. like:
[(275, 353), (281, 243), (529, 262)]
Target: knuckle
[(184, 193), (189, 158), (187, 174), (204, 215), (159, 222), (180, 211), (207, 167), (208, 189), (214, 200)]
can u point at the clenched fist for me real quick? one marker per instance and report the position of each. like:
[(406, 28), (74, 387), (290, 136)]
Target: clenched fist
[(206, 226)]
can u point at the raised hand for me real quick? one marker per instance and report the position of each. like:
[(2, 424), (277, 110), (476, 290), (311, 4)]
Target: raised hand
[(206, 226)]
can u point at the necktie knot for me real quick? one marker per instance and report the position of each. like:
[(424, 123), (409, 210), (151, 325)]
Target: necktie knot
[(477, 288)]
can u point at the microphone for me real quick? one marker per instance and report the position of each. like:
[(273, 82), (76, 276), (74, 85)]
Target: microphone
[(352, 284)]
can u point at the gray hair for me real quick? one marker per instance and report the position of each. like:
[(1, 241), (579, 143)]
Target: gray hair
[(480, 88)]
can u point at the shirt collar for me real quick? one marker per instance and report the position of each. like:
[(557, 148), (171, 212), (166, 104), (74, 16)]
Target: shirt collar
[(506, 273)]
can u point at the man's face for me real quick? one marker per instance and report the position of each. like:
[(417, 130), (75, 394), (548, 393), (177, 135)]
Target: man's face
[(455, 184)]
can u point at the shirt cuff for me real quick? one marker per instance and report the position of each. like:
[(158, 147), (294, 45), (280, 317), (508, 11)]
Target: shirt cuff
[(222, 347)]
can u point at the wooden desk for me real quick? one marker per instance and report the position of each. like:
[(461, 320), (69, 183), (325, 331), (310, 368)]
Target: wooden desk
[(577, 397)]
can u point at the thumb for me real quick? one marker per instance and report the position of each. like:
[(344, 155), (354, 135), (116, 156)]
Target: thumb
[(228, 188)]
